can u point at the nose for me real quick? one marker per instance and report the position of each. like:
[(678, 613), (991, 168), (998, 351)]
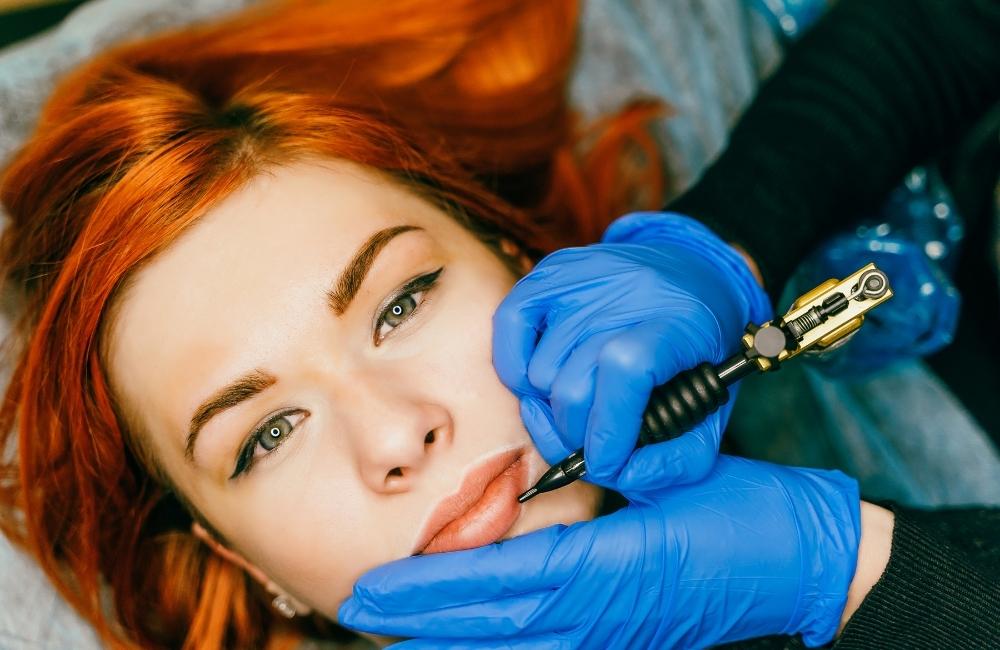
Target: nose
[(396, 436)]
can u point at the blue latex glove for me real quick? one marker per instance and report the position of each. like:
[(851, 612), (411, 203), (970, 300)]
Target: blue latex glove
[(754, 549), (584, 338)]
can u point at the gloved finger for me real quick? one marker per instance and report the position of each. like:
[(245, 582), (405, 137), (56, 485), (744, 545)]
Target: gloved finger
[(566, 330), (481, 619), (572, 394), (686, 459), (622, 384), (555, 344), (537, 418), (562, 286), (517, 323), (544, 642), (639, 359), (426, 583)]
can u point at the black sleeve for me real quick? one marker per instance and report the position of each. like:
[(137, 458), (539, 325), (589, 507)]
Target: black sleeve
[(941, 588), (874, 89)]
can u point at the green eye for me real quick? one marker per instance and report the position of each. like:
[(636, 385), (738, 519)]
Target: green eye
[(275, 433), (409, 298), (401, 309), (266, 438)]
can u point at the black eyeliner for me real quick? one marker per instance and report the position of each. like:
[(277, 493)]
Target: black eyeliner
[(244, 460), (246, 453), (417, 284)]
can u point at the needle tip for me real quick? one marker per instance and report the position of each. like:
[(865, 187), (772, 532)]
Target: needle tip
[(527, 495)]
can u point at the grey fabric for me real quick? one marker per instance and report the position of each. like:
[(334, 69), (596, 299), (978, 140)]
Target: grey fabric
[(703, 58), (32, 615), (28, 70)]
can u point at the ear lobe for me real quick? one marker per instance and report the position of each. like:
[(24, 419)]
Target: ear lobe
[(252, 569)]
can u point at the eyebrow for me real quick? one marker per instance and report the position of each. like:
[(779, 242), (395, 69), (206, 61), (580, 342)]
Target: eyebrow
[(350, 280), (242, 389), (339, 298)]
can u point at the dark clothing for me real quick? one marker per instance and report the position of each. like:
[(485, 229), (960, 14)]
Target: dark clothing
[(872, 90), (876, 88), (940, 590)]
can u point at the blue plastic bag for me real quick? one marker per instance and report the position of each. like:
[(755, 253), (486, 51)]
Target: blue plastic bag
[(915, 239)]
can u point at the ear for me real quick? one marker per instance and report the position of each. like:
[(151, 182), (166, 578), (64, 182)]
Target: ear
[(521, 259), (252, 569)]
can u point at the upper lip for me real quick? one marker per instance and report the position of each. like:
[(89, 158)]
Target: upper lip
[(474, 483)]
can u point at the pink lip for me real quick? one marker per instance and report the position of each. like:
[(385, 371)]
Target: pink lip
[(482, 510)]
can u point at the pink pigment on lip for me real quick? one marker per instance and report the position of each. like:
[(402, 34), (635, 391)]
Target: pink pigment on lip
[(489, 518)]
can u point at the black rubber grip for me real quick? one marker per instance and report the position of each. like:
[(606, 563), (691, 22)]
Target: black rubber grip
[(678, 405)]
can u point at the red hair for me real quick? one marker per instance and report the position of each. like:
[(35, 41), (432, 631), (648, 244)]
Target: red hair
[(463, 100)]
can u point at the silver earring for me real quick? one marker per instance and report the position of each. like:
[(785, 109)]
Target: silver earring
[(284, 606)]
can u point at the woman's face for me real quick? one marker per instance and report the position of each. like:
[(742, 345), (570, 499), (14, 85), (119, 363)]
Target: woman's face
[(311, 366)]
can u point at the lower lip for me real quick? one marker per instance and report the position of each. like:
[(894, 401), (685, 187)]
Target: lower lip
[(489, 518)]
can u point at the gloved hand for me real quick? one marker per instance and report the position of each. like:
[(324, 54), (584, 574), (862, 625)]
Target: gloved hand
[(585, 337), (754, 549)]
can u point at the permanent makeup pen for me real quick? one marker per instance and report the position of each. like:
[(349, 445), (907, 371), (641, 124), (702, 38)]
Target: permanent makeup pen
[(819, 320)]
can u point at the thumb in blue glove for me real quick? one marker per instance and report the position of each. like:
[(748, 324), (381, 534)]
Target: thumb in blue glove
[(754, 549), (585, 337)]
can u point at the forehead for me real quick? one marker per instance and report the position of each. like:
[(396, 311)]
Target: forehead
[(333, 203), (210, 303)]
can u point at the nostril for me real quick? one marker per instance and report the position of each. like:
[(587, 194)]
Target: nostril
[(429, 438)]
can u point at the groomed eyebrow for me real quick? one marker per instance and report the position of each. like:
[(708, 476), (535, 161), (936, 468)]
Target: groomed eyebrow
[(225, 398), (339, 298), (343, 292)]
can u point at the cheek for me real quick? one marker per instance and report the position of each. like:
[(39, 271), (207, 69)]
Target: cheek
[(312, 531), (459, 353)]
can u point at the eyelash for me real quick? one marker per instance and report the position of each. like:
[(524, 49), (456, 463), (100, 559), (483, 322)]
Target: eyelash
[(416, 287), (245, 461), (247, 456)]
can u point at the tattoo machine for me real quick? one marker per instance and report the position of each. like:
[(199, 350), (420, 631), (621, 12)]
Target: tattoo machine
[(819, 321)]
